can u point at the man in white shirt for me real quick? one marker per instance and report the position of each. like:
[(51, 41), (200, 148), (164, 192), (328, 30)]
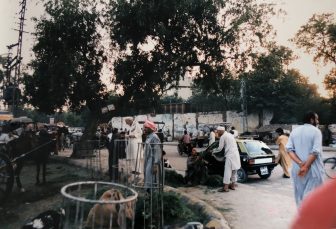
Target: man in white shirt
[(232, 158), (133, 149), (212, 137)]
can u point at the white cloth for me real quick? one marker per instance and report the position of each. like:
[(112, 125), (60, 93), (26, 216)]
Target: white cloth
[(4, 138), (232, 157), (133, 149), (109, 137), (212, 137), (235, 133)]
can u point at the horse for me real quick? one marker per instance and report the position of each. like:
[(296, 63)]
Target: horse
[(30, 146)]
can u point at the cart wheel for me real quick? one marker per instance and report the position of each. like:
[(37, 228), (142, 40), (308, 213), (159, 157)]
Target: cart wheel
[(6, 177)]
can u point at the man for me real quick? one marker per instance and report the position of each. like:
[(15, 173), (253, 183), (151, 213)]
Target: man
[(196, 172), (152, 156), (305, 149), (234, 132), (186, 140), (283, 158), (133, 152), (212, 137), (232, 158)]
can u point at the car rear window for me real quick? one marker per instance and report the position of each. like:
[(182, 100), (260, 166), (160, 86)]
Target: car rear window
[(257, 148)]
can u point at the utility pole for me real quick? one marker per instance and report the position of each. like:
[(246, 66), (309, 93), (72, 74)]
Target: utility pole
[(243, 104), (11, 84)]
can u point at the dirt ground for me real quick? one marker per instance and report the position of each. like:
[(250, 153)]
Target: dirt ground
[(20, 207)]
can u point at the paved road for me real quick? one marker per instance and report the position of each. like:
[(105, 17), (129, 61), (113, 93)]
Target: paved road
[(255, 204)]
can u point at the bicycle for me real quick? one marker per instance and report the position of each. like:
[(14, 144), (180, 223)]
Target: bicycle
[(330, 167)]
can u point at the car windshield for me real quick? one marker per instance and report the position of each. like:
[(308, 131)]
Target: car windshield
[(257, 148)]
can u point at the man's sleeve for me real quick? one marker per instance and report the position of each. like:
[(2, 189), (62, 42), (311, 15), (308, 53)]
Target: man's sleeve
[(290, 144), (220, 146), (317, 143), (157, 151)]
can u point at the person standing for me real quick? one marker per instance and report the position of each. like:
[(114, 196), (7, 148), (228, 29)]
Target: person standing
[(152, 156), (212, 137), (305, 149), (283, 158), (133, 153), (232, 158), (186, 141)]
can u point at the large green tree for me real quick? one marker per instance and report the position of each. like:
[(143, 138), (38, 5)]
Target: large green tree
[(270, 85), (68, 60), (160, 41), (318, 37)]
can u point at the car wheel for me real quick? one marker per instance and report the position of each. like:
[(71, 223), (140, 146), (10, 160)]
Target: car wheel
[(241, 175)]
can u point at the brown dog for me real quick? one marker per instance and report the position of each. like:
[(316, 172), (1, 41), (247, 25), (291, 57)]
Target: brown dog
[(110, 215)]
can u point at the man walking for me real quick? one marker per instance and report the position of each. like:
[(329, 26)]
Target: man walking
[(232, 158), (283, 158), (305, 149)]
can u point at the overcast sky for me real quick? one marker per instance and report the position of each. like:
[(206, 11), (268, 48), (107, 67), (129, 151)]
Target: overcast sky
[(298, 13)]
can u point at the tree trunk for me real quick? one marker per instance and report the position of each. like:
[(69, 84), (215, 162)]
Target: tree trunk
[(85, 147)]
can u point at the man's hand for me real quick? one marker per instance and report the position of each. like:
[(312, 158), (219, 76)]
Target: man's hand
[(304, 168), (155, 168)]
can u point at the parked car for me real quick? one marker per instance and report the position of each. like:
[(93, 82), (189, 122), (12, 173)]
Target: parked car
[(255, 157)]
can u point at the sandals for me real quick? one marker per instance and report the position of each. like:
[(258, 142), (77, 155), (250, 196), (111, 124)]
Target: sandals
[(223, 190), (232, 187)]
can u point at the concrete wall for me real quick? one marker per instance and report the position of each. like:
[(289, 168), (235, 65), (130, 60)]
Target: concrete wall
[(176, 122)]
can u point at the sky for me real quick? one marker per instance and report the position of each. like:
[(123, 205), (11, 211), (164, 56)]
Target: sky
[(298, 13)]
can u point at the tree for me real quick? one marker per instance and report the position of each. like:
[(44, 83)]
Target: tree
[(318, 37), (160, 41), (270, 85), (68, 60)]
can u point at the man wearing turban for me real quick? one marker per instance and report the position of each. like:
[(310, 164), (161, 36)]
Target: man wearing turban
[(152, 156)]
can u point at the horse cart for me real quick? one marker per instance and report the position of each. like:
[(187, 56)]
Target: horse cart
[(13, 154)]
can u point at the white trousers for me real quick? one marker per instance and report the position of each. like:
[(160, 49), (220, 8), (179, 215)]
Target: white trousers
[(230, 176)]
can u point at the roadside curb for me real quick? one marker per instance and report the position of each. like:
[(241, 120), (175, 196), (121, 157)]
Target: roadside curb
[(214, 216)]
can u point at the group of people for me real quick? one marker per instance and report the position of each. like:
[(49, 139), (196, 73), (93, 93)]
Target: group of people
[(135, 151)]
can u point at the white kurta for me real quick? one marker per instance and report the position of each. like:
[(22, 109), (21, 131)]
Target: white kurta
[(232, 157), (133, 149)]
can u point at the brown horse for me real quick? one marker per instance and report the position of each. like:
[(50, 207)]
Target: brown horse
[(30, 146)]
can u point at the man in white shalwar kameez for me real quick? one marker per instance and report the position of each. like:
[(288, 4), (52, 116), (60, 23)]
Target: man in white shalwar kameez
[(133, 148), (305, 149), (232, 158)]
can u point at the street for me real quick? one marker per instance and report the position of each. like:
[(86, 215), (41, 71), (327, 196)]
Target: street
[(255, 204)]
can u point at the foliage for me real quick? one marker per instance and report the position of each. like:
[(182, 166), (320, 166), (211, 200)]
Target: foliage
[(318, 37), (162, 41), (175, 210), (270, 85), (68, 58), (173, 179)]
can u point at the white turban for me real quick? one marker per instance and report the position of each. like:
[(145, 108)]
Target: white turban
[(222, 128)]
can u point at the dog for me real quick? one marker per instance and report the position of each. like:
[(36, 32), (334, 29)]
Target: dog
[(103, 215)]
